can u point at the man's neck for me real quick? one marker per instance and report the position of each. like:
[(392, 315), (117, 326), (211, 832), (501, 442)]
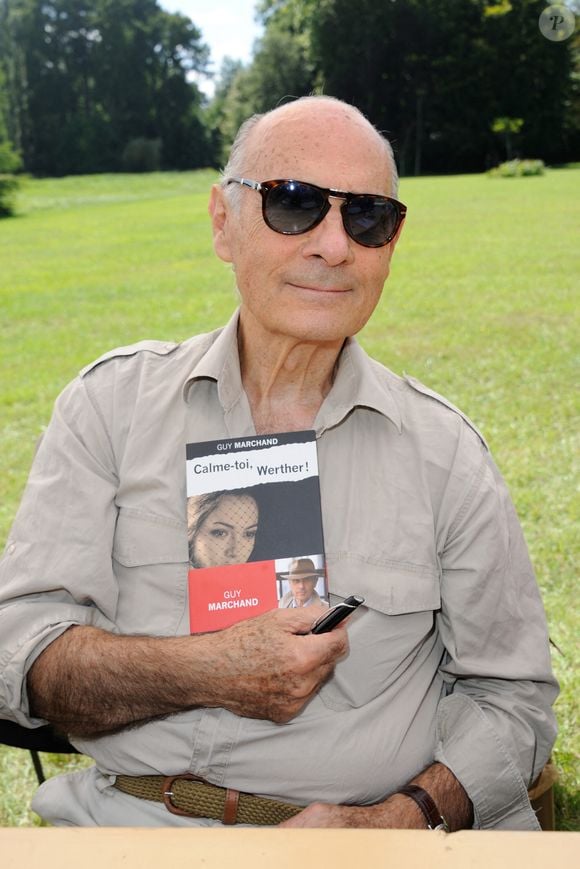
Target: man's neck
[(286, 379)]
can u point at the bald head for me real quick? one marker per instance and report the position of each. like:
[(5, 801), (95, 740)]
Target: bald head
[(277, 139)]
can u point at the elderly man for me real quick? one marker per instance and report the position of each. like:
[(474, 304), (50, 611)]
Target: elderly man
[(437, 706)]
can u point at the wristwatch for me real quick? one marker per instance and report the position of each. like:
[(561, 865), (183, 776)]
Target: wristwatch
[(435, 820)]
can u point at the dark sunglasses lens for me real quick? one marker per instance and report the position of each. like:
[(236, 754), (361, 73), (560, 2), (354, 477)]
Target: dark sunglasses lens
[(371, 220), (293, 207)]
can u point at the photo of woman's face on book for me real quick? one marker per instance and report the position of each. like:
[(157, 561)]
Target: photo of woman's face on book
[(222, 528)]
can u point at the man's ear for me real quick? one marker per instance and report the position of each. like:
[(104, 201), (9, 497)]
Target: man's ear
[(393, 242), (219, 211)]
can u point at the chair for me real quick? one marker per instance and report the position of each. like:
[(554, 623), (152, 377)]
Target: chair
[(35, 740), (541, 796)]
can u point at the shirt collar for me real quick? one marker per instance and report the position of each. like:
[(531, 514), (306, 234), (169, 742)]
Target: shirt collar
[(359, 380), (221, 363)]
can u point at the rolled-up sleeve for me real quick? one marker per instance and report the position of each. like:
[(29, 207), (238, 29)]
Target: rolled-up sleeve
[(56, 570), (495, 726)]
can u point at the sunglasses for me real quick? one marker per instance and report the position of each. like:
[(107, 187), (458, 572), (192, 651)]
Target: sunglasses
[(294, 207)]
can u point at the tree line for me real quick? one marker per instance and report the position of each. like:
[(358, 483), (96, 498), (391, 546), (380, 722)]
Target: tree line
[(111, 85), (86, 81)]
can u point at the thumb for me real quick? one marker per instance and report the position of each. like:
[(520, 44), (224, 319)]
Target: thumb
[(301, 619)]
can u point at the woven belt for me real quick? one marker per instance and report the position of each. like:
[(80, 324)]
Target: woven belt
[(192, 796)]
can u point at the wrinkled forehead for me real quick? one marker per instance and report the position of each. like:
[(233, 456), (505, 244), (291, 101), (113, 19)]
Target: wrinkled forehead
[(328, 145)]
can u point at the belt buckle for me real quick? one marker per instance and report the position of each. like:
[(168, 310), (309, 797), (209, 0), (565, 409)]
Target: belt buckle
[(167, 792)]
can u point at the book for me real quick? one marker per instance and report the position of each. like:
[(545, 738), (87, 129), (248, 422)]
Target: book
[(254, 527)]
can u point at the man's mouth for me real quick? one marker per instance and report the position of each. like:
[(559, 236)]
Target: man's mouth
[(314, 288)]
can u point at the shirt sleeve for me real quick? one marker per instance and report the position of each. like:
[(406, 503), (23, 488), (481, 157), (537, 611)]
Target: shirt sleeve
[(495, 725), (56, 570)]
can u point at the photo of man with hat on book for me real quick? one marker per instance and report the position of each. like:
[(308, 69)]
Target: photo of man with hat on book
[(302, 577)]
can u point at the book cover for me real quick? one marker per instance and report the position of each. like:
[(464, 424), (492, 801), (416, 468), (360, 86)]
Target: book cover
[(254, 527)]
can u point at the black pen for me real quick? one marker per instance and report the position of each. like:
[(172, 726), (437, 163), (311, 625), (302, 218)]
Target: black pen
[(336, 614)]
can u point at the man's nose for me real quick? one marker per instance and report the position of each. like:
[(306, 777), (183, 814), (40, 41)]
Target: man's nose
[(329, 239)]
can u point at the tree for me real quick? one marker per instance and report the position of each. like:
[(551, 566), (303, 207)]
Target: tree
[(437, 74), (9, 159), (186, 141), (281, 68), (432, 75), (87, 78), (218, 116), (507, 127)]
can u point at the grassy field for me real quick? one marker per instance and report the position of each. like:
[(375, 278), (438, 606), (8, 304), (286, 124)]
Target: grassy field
[(481, 305)]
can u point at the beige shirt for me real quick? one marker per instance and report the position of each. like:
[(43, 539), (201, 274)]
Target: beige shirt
[(448, 660)]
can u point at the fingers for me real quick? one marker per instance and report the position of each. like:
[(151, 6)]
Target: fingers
[(304, 679), (336, 642), (270, 667), (327, 815), (301, 619)]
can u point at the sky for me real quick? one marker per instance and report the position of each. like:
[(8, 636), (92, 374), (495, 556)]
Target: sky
[(227, 26)]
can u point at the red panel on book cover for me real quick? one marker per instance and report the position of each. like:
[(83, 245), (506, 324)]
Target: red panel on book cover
[(221, 596)]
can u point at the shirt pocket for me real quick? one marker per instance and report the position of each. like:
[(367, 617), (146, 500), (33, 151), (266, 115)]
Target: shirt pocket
[(389, 635), (150, 561)]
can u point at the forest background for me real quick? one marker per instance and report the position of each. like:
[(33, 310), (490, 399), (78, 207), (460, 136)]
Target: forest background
[(113, 85)]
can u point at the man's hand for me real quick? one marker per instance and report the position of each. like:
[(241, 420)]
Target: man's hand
[(89, 682), (396, 813), (269, 667)]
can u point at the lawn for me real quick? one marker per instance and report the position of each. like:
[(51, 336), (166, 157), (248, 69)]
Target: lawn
[(481, 305)]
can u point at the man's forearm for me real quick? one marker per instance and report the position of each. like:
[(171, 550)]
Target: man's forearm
[(89, 682), (397, 811)]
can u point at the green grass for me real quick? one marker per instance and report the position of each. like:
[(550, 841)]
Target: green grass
[(480, 305)]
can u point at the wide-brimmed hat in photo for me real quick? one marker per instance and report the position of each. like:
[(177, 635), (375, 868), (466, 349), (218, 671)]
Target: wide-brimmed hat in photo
[(302, 568)]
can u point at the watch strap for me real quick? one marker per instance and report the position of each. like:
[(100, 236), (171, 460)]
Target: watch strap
[(435, 820)]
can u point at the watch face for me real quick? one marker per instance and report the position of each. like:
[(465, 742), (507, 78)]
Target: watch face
[(442, 826)]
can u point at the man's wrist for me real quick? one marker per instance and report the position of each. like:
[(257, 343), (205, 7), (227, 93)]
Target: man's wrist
[(448, 795), (398, 812), (426, 805)]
